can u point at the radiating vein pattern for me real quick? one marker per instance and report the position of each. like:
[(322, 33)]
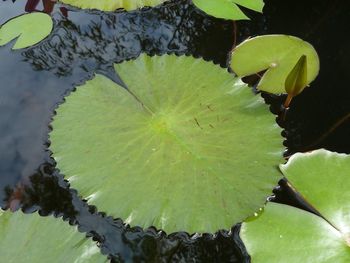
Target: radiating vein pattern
[(187, 147)]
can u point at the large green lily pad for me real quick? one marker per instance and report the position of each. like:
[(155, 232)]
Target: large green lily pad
[(291, 235), (32, 238), (30, 29), (188, 147), (111, 5), (228, 9), (278, 54)]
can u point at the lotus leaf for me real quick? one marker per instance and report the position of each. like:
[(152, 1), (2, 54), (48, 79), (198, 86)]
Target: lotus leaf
[(112, 5), (278, 55), (228, 9), (32, 238), (287, 234), (30, 29), (186, 147)]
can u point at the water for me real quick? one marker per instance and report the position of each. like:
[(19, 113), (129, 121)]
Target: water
[(35, 80)]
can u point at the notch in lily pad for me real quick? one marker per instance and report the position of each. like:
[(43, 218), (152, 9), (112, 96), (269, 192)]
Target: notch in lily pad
[(228, 9), (29, 29), (291, 64), (322, 179)]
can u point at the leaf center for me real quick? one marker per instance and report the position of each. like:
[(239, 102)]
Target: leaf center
[(160, 124)]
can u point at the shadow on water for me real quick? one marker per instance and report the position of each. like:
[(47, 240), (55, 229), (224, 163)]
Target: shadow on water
[(35, 80)]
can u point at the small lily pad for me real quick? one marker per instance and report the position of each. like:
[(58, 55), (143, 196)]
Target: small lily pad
[(291, 235), (30, 29), (228, 9), (278, 54), (32, 238), (112, 5), (187, 147)]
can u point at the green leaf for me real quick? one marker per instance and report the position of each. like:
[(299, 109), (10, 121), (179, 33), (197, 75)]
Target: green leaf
[(256, 5), (188, 147), (322, 178), (292, 235), (224, 9), (30, 29), (112, 5), (32, 238), (297, 78), (286, 234), (227, 9), (278, 54)]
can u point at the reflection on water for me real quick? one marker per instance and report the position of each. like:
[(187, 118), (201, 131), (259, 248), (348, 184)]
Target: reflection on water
[(35, 80), (325, 24)]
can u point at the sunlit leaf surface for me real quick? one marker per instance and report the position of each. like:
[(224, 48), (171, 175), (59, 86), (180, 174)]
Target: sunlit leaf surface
[(228, 9), (188, 147), (30, 29), (31, 238), (322, 178), (111, 5), (278, 54), (287, 234)]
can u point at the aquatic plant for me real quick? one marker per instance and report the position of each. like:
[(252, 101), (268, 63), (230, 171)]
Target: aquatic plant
[(29, 29), (33, 238), (277, 56), (112, 5), (173, 150), (286, 234), (171, 146), (228, 9)]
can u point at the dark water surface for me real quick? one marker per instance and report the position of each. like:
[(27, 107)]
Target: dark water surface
[(36, 79)]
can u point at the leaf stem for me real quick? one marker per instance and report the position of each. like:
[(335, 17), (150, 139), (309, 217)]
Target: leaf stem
[(234, 36), (288, 101), (328, 132), (324, 135)]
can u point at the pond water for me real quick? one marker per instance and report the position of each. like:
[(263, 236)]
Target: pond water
[(35, 80)]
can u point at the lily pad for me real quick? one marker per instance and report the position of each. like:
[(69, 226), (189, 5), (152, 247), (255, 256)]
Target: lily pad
[(228, 9), (30, 29), (278, 54), (322, 177), (293, 235), (187, 147), (32, 238), (112, 5), (286, 234)]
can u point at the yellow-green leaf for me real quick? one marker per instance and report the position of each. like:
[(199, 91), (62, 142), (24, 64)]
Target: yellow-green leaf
[(30, 29), (297, 78), (174, 150), (278, 55), (112, 5)]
